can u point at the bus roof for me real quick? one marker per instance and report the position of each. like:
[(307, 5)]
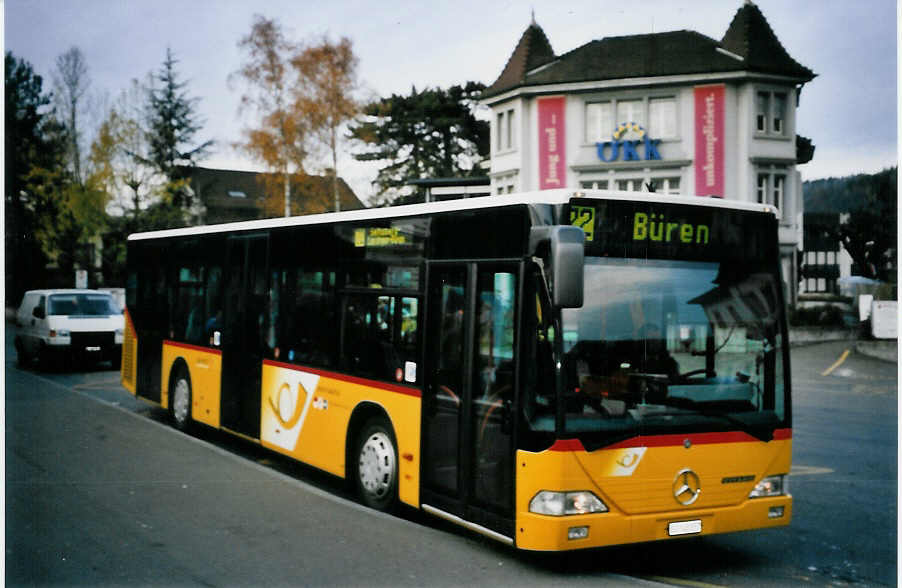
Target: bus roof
[(561, 196)]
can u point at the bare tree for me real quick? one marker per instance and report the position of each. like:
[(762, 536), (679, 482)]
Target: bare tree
[(71, 83), (120, 153)]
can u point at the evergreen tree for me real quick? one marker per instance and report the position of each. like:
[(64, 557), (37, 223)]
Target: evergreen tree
[(33, 140), (870, 233), (428, 134), (172, 126)]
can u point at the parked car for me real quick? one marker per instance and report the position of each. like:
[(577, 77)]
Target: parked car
[(69, 325)]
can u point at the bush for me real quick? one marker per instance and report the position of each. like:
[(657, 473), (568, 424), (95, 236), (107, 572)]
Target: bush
[(817, 316)]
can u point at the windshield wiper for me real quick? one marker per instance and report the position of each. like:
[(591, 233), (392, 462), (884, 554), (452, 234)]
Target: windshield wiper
[(758, 431), (762, 434)]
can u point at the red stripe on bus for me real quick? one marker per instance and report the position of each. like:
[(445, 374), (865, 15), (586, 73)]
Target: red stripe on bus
[(416, 392), (697, 439), (567, 445), (193, 347), (674, 440)]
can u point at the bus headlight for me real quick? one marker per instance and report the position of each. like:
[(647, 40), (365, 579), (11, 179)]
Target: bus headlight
[(770, 486), (558, 504)]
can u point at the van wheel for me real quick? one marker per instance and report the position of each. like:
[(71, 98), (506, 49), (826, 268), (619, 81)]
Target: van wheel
[(180, 402), (376, 469), (46, 359), (22, 358)]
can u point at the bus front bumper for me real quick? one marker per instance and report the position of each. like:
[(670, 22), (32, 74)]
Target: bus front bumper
[(549, 533)]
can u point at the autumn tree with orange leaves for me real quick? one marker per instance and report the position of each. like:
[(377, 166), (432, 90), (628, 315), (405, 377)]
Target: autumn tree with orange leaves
[(329, 80), (301, 95)]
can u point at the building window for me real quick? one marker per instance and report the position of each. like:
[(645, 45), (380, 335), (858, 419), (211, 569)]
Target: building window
[(594, 185), (761, 189), (599, 121), (631, 185), (770, 113), (662, 118), (506, 184), (631, 111), (771, 189), (669, 186), (660, 185), (658, 116), (779, 183), (505, 130)]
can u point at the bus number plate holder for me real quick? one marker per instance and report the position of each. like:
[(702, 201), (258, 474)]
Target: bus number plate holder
[(684, 528)]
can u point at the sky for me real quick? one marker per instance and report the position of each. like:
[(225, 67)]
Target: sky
[(849, 110)]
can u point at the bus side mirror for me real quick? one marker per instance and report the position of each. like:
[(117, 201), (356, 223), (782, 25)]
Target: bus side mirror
[(566, 249)]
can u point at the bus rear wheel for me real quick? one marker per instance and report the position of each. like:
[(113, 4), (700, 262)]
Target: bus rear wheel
[(376, 469), (180, 404)]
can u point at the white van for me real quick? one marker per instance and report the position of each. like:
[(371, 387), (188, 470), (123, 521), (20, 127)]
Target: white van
[(71, 325)]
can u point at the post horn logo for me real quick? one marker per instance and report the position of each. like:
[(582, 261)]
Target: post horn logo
[(686, 487)]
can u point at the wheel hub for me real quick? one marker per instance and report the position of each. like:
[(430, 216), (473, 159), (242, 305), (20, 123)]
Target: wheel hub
[(377, 464), (180, 401)]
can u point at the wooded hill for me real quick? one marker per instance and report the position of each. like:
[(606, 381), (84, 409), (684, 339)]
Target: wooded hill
[(848, 193)]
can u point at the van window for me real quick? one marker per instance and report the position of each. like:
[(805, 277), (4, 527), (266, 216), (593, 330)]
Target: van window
[(81, 305)]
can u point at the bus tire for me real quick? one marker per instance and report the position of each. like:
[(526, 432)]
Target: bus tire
[(376, 465), (180, 404)]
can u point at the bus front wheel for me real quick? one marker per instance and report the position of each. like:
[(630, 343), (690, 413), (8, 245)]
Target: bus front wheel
[(377, 465), (181, 400)]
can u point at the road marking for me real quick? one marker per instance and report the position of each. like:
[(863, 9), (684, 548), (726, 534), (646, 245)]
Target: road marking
[(682, 582), (836, 363), (800, 470)]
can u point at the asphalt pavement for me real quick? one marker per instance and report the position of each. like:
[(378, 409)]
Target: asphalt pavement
[(100, 490)]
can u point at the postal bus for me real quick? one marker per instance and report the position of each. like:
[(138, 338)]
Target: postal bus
[(555, 370)]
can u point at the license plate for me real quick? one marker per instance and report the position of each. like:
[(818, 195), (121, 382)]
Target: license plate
[(684, 528), (95, 348)]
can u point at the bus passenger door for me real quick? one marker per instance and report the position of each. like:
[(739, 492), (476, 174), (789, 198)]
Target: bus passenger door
[(244, 306), (467, 442)]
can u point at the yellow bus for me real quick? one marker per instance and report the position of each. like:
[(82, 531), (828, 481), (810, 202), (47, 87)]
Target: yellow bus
[(555, 370)]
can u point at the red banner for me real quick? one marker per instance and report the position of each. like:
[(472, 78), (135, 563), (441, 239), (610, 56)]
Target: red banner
[(709, 139), (552, 166)]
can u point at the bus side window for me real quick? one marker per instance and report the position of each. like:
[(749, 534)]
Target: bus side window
[(302, 316), (380, 336)]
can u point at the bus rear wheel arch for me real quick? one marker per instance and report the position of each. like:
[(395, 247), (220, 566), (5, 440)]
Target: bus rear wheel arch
[(374, 463), (180, 396)]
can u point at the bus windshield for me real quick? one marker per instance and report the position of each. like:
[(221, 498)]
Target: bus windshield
[(672, 346)]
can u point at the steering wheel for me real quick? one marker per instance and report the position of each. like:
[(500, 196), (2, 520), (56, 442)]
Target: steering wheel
[(693, 373)]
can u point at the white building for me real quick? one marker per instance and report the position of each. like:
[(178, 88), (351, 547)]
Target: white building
[(677, 111)]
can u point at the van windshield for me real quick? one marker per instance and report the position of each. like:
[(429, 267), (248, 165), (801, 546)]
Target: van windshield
[(81, 305)]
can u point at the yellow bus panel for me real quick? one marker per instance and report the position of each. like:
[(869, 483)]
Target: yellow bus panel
[(305, 414), (205, 371), (639, 480), (128, 369)]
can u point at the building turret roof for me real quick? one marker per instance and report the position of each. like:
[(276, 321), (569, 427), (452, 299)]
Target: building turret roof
[(748, 45), (751, 37), (532, 51)]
